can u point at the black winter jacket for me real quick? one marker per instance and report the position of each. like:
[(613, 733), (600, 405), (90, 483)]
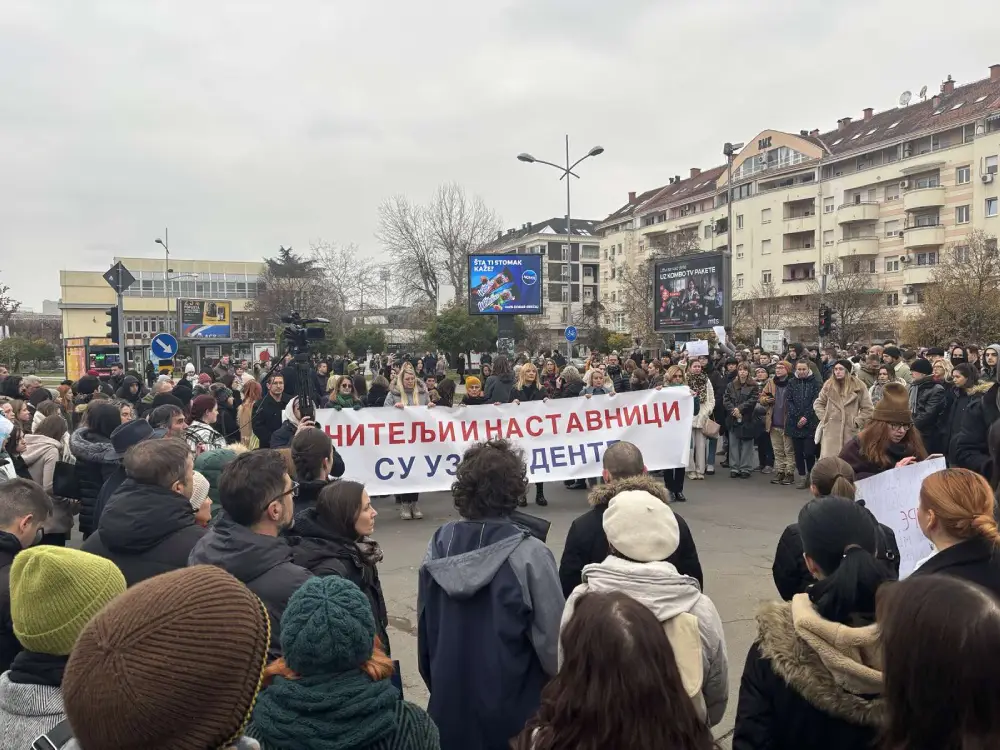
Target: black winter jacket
[(263, 563), (267, 417), (571, 390), (528, 393), (971, 447), (743, 397), (283, 436), (802, 394), (587, 543), (226, 424), (498, 388), (974, 560), (323, 553), (375, 397), (309, 489), (145, 530), (10, 647), (957, 402), (96, 461), (928, 410)]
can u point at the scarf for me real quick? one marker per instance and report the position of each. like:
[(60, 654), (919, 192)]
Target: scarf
[(326, 712), (370, 551), (30, 668), (697, 384)]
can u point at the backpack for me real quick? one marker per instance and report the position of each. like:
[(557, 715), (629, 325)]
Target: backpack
[(57, 737)]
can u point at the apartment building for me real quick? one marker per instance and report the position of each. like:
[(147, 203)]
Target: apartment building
[(571, 270), (885, 194)]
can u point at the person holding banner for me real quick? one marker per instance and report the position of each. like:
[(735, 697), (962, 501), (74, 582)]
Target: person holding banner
[(527, 388), (701, 386), (889, 439), (956, 513), (409, 390)]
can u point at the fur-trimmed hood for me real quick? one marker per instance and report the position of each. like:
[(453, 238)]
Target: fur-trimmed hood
[(836, 668), (93, 447), (602, 493)]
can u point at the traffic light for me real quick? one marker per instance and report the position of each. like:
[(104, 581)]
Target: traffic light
[(826, 320), (112, 313)]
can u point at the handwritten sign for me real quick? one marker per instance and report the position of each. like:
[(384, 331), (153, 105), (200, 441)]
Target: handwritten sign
[(893, 496), (720, 333), (697, 348)]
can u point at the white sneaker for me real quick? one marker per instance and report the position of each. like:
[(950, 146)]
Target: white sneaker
[(405, 512), (710, 470), (415, 511)]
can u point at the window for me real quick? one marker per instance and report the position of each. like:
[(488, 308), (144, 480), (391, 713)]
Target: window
[(892, 228), (927, 259), (765, 216), (961, 254), (828, 205), (991, 165), (856, 266), (565, 273), (871, 265), (739, 251), (928, 182), (565, 294), (892, 299), (739, 221), (892, 192), (827, 237), (829, 269), (894, 124), (991, 206), (891, 265), (969, 133), (739, 281), (708, 231), (963, 175), (962, 214), (765, 247), (765, 277)]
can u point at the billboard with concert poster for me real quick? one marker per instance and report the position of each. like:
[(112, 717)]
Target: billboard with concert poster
[(691, 292)]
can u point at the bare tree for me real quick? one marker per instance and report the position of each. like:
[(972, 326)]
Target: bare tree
[(963, 299), (352, 281), (8, 305), (428, 245)]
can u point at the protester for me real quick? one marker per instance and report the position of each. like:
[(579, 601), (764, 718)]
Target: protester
[(343, 395), (489, 605), (613, 640), (268, 413), (130, 390), (801, 420), (774, 397), (334, 538), (44, 449), (225, 422), (889, 440), (24, 510), (500, 384), (843, 408), (927, 403), (257, 496), (96, 459), (293, 421), (867, 370), (408, 391), (54, 594), (201, 435), (586, 542), (886, 374), (642, 533), (332, 686), (571, 383), (942, 688), (702, 388), (893, 357), (740, 399), (673, 479), (956, 514), (316, 464), (169, 419), (812, 677), (167, 665), (252, 393)]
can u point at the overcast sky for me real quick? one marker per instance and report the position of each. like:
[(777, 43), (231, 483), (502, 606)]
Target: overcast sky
[(245, 125)]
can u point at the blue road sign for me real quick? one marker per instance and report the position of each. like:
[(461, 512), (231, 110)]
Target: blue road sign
[(571, 333), (163, 346)]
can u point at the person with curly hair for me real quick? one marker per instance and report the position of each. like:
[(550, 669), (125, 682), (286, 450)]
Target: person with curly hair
[(489, 605)]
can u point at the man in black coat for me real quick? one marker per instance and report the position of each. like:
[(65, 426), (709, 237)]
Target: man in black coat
[(972, 446), (246, 541), (148, 526), (268, 412), (123, 438), (927, 404), (586, 541), (24, 508)]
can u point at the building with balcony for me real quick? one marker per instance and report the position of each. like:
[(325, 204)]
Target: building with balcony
[(888, 194), (570, 273), (151, 302)]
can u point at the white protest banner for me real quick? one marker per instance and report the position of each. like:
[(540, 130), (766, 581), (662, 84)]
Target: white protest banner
[(893, 497), (697, 348), (418, 448), (720, 333)]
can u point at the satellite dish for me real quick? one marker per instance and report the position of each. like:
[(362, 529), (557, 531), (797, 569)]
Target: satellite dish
[(904, 98), (923, 93)]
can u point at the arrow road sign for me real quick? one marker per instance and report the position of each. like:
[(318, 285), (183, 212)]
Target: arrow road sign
[(163, 346), (119, 277), (571, 333)]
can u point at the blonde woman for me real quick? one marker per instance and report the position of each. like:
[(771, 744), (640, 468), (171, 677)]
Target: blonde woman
[(701, 387), (409, 390), (844, 407), (252, 393)]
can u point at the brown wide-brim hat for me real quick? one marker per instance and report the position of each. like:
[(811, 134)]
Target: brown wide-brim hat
[(894, 406)]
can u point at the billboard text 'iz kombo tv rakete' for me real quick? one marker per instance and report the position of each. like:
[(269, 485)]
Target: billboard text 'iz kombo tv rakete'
[(505, 284)]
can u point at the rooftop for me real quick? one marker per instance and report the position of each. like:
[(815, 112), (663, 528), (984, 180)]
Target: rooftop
[(555, 227)]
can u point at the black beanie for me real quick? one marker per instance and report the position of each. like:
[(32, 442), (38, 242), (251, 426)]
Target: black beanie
[(921, 365)]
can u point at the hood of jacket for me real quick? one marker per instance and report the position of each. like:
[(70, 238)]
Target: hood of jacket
[(656, 585), (91, 446), (243, 554), (834, 667), (315, 542), (602, 493), (140, 516), (36, 446), (464, 556)]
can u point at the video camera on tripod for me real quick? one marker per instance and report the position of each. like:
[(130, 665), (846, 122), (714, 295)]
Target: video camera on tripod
[(298, 333), (299, 382)]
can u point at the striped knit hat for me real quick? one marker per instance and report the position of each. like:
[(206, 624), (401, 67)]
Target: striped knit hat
[(175, 662)]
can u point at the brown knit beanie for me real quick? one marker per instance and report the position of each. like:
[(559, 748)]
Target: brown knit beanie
[(173, 663), (894, 406)]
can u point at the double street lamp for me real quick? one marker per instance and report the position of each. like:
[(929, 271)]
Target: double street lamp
[(567, 171)]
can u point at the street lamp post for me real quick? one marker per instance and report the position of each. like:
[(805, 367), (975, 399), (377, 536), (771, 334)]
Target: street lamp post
[(567, 171), (165, 241), (730, 150)]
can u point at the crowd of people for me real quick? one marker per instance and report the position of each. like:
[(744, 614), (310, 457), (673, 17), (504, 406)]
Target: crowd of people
[(228, 595)]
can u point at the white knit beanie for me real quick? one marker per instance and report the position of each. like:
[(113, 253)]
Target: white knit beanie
[(200, 491), (641, 526)]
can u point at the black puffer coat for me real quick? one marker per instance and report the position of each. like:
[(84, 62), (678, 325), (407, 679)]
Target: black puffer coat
[(743, 397), (802, 394), (96, 461), (571, 390), (957, 403), (9, 645), (971, 447), (928, 400)]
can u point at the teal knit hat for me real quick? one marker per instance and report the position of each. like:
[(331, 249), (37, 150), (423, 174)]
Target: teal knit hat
[(327, 628)]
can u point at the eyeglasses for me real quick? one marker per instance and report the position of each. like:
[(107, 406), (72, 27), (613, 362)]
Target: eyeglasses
[(293, 491), (903, 427)]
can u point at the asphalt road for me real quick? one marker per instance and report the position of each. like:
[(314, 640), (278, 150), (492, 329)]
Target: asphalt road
[(735, 523)]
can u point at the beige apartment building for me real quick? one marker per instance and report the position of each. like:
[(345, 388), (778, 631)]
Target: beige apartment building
[(887, 194), (150, 304)]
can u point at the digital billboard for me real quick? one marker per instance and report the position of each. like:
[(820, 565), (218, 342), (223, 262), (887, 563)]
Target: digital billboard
[(205, 319), (690, 292), (505, 284)]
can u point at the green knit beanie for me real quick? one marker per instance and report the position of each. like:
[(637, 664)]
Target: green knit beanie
[(327, 628), (54, 591)]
